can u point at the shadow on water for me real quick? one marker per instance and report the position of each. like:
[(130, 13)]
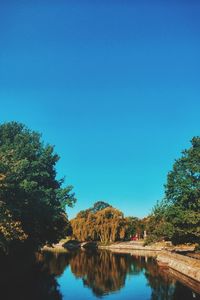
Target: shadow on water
[(23, 277), (103, 272)]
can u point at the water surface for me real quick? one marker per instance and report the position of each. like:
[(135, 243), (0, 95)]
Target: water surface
[(90, 275)]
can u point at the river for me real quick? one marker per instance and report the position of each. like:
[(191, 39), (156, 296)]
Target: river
[(88, 275)]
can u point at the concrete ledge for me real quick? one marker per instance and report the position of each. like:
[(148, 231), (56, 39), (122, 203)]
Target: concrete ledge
[(186, 265)]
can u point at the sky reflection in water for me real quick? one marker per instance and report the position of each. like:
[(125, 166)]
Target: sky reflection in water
[(81, 275), (91, 275)]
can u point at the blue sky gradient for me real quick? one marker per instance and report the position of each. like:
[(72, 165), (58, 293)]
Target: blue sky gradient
[(114, 85)]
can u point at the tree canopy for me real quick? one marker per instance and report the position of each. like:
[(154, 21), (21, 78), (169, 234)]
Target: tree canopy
[(102, 223), (31, 196), (183, 195), (177, 217), (99, 205)]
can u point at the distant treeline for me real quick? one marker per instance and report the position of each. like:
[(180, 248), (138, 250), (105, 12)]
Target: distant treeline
[(106, 224), (175, 218), (33, 201)]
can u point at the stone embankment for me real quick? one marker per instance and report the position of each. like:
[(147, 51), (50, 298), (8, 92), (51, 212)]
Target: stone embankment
[(186, 265)]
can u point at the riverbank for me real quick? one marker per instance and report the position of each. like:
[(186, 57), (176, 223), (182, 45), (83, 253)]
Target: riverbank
[(182, 268), (185, 268), (69, 246), (185, 265), (139, 245), (165, 254), (132, 245)]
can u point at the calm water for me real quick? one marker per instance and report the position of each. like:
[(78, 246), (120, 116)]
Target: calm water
[(88, 275)]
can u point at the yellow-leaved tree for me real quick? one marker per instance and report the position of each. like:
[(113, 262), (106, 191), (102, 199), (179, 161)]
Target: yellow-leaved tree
[(102, 223)]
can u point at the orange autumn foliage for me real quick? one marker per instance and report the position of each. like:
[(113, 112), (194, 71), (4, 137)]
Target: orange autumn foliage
[(106, 225)]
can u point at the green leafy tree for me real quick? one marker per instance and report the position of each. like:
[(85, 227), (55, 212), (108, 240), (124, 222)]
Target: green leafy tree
[(183, 182), (157, 226), (99, 206), (183, 195), (10, 230), (177, 217), (29, 189), (132, 224)]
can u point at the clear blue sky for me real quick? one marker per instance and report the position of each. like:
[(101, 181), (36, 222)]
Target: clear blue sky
[(114, 85)]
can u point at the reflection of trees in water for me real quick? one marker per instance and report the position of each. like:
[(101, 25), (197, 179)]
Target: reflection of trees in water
[(30, 277), (163, 285), (21, 277), (102, 271), (55, 263), (105, 272)]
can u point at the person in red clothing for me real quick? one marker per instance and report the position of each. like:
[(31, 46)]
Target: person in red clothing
[(134, 237)]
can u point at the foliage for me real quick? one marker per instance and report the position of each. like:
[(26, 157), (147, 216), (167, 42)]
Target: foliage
[(183, 182), (105, 224), (10, 230), (30, 193), (177, 217), (157, 227), (99, 205), (186, 224), (183, 195), (134, 226)]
